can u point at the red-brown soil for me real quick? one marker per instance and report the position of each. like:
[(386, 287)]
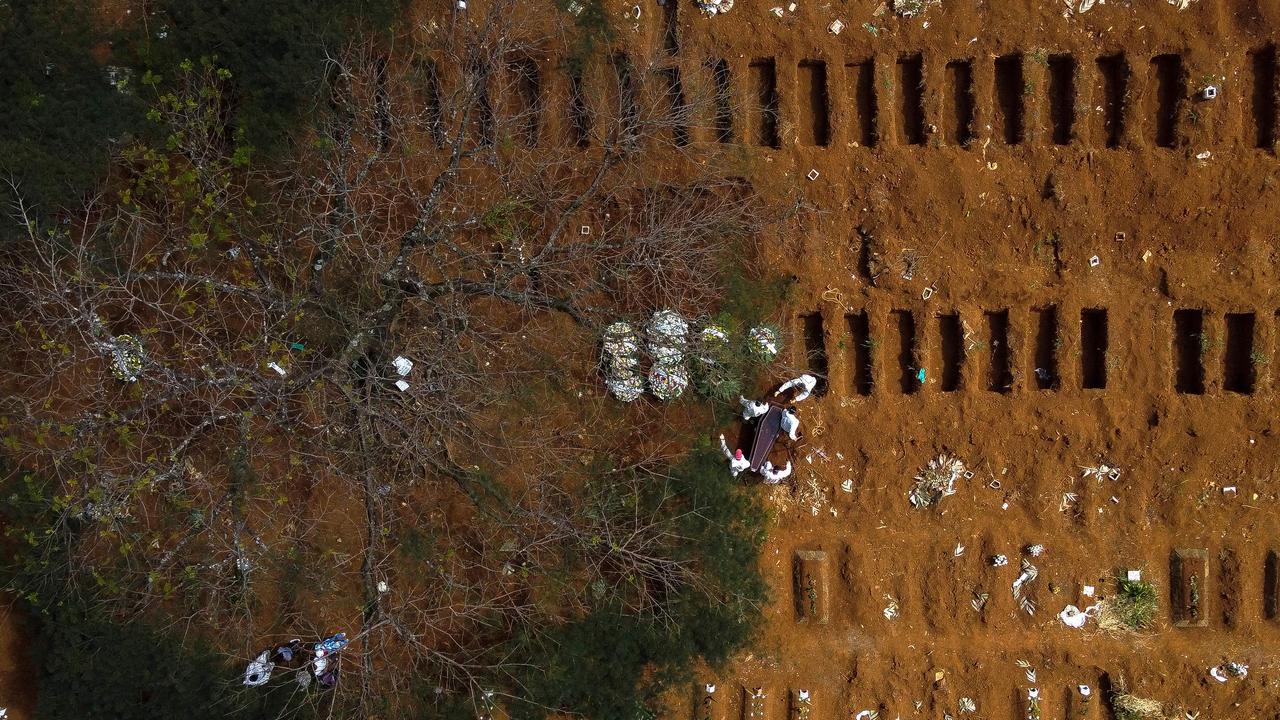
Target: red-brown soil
[(1001, 229)]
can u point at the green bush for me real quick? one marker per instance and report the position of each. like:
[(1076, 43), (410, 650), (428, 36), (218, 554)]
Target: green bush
[(1136, 603), (61, 116), (275, 51), (107, 670), (608, 662)]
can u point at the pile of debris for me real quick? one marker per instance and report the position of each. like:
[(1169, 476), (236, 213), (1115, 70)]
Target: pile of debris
[(711, 7), (936, 481)]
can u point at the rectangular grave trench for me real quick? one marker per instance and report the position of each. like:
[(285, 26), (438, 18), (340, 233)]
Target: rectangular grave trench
[(526, 93), (906, 326), (1093, 348), (815, 122), (911, 99), (951, 335), (1189, 587), (579, 114), (1046, 355), (1001, 371), (1062, 98), (1238, 371), (755, 703), (960, 103), (1114, 73), (1080, 707), (677, 107), (860, 362), (627, 94), (815, 350), (723, 101), (863, 79), (1263, 104), (1170, 90), (1009, 101), (671, 27), (763, 77), (810, 586), (427, 73), (710, 701), (1271, 586), (1023, 704), (1228, 585), (1188, 331), (800, 704)]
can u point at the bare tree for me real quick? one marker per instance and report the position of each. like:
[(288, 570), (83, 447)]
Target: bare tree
[(203, 362)]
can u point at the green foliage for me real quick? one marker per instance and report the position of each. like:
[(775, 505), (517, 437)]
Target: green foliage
[(722, 368), (108, 670), (274, 51), (1136, 603), (611, 662), (751, 300), (594, 32), (59, 112)]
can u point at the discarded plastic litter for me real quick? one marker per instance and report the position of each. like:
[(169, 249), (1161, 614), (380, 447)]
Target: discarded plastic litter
[(1229, 670), (259, 670), (714, 7), (936, 481), (835, 27), (402, 365), (402, 385), (1072, 616), (891, 610)]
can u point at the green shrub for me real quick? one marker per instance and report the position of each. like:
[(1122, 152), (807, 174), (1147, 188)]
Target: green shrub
[(275, 51), (61, 116), (108, 670), (1135, 604), (608, 661)]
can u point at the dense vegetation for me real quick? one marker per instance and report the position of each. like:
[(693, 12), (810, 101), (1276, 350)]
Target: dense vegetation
[(264, 286), (62, 118), (66, 111)]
